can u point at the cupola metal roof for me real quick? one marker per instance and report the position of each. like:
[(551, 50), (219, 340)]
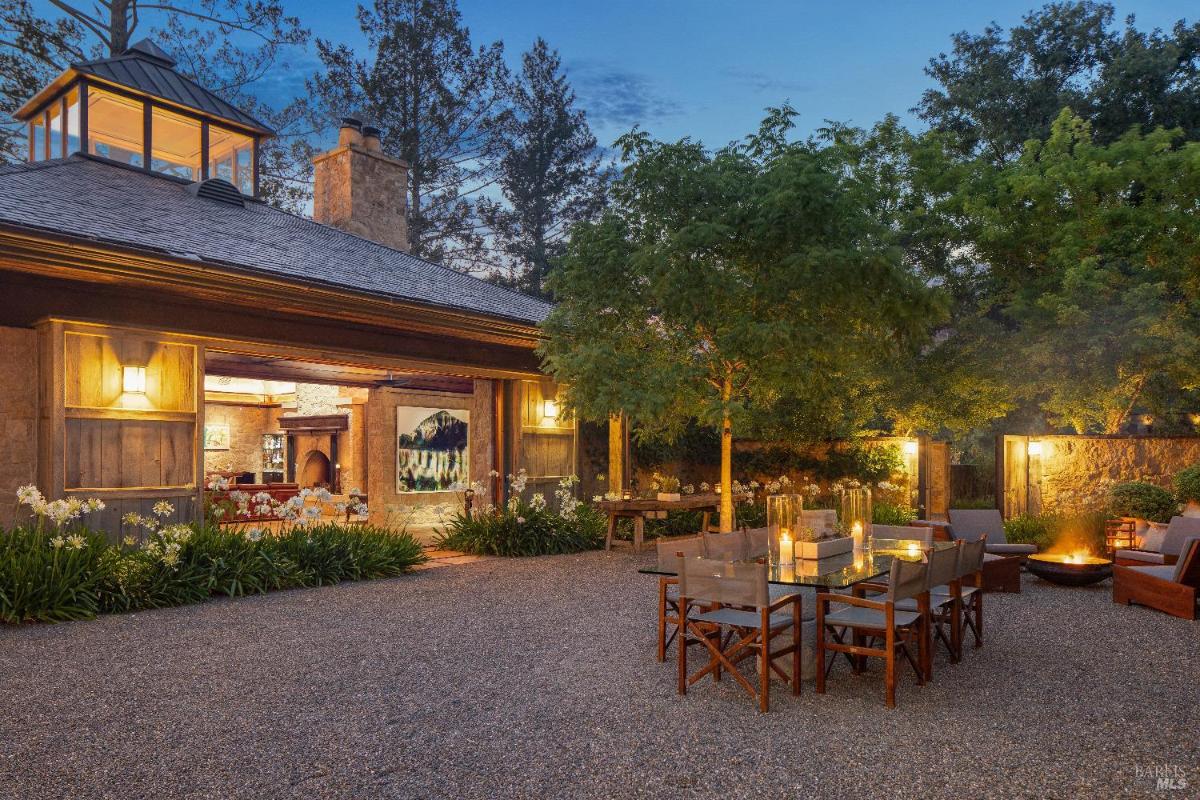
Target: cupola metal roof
[(146, 69)]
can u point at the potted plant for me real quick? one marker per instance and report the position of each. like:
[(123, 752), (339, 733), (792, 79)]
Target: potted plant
[(1187, 490), (667, 487), (1143, 502)]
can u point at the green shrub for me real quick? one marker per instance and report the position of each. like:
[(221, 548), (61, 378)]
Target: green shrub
[(525, 529), (892, 514), (51, 577), (1049, 530), (1187, 484), (1142, 500)]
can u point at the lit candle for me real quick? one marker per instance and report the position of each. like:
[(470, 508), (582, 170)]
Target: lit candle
[(856, 533), (914, 549), (787, 548)]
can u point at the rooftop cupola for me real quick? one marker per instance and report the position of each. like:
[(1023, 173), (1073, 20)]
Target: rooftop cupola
[(136, 109)]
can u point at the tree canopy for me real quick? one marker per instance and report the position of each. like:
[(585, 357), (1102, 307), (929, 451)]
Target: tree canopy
[(723, 285)]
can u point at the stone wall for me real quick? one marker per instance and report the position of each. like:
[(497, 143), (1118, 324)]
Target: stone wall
[(247, 424), (422, 512), (1075, 472), (18, 415)]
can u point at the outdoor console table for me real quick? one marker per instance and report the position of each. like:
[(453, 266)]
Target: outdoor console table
[(639, 510)]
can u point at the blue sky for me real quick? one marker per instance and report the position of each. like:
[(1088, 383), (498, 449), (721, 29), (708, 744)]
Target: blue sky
[(707, 69)]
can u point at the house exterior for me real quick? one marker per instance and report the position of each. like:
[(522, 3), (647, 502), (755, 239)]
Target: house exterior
[(159, 324)]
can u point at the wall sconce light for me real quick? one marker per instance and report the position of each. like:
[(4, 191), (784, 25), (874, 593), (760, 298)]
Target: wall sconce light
[(550, 409), (1195, 418), (1034, 448), (1147, 420), (133, 380), (910, 448)]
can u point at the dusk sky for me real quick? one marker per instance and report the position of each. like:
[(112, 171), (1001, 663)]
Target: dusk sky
[(707, 69)]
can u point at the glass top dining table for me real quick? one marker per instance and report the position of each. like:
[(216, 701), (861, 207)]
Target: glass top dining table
[(838, 572)]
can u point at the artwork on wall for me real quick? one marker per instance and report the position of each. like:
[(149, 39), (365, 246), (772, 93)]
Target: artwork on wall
[(216, 436), (432, 449)]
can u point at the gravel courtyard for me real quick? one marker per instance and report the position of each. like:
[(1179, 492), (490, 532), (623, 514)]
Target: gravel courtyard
[(536, 678)]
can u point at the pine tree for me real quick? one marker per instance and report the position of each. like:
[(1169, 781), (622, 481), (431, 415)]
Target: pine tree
[(438, 102), (550, 174)]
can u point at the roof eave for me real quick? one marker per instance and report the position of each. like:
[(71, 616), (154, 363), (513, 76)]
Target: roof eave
[(41, 251)]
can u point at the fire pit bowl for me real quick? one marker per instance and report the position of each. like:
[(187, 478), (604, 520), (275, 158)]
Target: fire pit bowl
[(1070, 569)]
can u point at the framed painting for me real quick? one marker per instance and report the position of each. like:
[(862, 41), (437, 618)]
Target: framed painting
[(432, 449), (216, 436)]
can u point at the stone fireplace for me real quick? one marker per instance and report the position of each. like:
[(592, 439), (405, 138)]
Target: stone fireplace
[(313, 449)]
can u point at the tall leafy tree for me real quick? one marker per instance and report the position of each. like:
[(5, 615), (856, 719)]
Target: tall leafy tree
[(198, 33), (550, 173), (1093, 254), (439, 102), (998, 89), (720, 285)]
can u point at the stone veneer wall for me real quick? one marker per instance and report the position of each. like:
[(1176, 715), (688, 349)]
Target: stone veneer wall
[(18, 415), (247, 424), (422, 512), (1076, 472)]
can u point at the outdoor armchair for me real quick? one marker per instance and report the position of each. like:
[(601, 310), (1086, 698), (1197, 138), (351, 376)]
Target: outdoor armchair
[(902, 631), (669, 551), (1167, 551), (970, 524), (742, 625), (1168, 588)]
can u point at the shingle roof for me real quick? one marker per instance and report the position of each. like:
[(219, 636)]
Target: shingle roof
[(83, 197), (144, 67)]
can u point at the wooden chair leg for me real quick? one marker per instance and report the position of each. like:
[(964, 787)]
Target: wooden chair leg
[(890, 675), (797, 645), (979, 619), (682, 637), (956, 631), (820, 645), (662, 620), (764, 661)]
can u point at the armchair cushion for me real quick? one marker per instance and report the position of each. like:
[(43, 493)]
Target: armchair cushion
[(969, 524), (1006, 549), (1152, 540), (1144, 556), (1166, 571), (1179, 531)]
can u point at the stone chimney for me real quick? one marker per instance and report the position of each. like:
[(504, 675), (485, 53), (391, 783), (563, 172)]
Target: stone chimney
[(359, 189)]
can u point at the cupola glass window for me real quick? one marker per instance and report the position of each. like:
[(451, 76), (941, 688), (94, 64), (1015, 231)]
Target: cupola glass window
[(116, 125), (231, 158), (175, 145)]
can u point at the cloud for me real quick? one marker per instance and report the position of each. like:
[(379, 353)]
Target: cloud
[(762, 82), (616, 97)]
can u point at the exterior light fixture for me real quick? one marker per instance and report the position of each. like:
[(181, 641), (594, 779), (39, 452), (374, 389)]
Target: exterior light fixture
[(550, 409), (1195, 418), (1147, 420), (1034, 448), (910, 447), (133, 380)]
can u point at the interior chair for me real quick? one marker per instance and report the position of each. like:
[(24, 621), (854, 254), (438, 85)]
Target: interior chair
[(669, 552), (1162, 550), (1168, 588), (970, 524), (741, 625), (902, 632)]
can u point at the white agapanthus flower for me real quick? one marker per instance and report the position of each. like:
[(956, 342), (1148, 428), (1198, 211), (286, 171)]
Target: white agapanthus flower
[(163, 509), (76, 542)]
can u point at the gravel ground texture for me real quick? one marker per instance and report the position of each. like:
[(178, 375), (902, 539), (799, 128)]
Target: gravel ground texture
[(536, 678)]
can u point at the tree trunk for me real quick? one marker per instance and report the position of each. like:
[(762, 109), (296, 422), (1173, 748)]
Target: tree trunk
[(118, 27), (726, 460)]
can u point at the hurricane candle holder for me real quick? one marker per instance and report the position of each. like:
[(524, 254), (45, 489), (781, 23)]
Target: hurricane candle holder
[(783, 520), (854, 516)]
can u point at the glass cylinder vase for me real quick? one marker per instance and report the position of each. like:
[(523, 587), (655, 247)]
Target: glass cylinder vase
[(783, 520), (854, 516)]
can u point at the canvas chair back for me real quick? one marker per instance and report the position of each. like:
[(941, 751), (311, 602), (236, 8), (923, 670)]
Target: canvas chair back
[(758, 542), (725, 546), (908, 579), (969, 524), (707, 580), (822, 521), (1187, 568), (943, 564), (970, 557), (903, 532), (669, 549), (1179, 530)]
